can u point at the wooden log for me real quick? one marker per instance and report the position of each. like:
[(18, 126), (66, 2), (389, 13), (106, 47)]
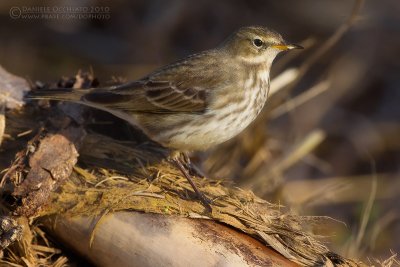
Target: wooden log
[(140, 239)]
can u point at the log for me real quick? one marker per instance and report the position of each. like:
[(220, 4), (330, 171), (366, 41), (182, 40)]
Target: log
[(138, 239)]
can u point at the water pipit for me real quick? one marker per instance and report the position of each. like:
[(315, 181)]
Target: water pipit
[(197, 102)]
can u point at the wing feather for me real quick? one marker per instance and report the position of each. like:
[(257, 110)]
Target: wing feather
[(181, 87)]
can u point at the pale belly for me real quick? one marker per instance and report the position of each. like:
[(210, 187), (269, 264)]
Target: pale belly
[(208, 133), (213, 127)]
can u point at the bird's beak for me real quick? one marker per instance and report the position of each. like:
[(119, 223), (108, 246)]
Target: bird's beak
[(284, 47)]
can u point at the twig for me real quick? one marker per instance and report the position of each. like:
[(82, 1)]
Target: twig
[(328, 44), (300, 99), (368, 207)]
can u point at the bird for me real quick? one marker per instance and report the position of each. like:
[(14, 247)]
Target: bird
[(197, 102)]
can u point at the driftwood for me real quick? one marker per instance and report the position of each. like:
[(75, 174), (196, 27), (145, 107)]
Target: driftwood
[(136, 239), (93, 203)]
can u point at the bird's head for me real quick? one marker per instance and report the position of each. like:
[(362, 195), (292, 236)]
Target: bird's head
[(256, 45)]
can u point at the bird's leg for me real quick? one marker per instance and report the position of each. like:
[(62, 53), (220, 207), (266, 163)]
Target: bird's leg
[(204, 200), (193, 169)]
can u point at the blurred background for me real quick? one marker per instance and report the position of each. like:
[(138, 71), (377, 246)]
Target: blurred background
[(328, 144)]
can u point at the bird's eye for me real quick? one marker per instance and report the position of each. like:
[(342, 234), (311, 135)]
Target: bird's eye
[(258, 42)]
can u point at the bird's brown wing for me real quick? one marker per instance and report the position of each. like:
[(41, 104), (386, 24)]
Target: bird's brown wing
[(150, 96), (182, 87)]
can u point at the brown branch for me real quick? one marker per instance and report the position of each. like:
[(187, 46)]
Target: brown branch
[(329, 43)]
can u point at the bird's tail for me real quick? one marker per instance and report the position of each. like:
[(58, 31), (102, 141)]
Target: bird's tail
[(62, 94)]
